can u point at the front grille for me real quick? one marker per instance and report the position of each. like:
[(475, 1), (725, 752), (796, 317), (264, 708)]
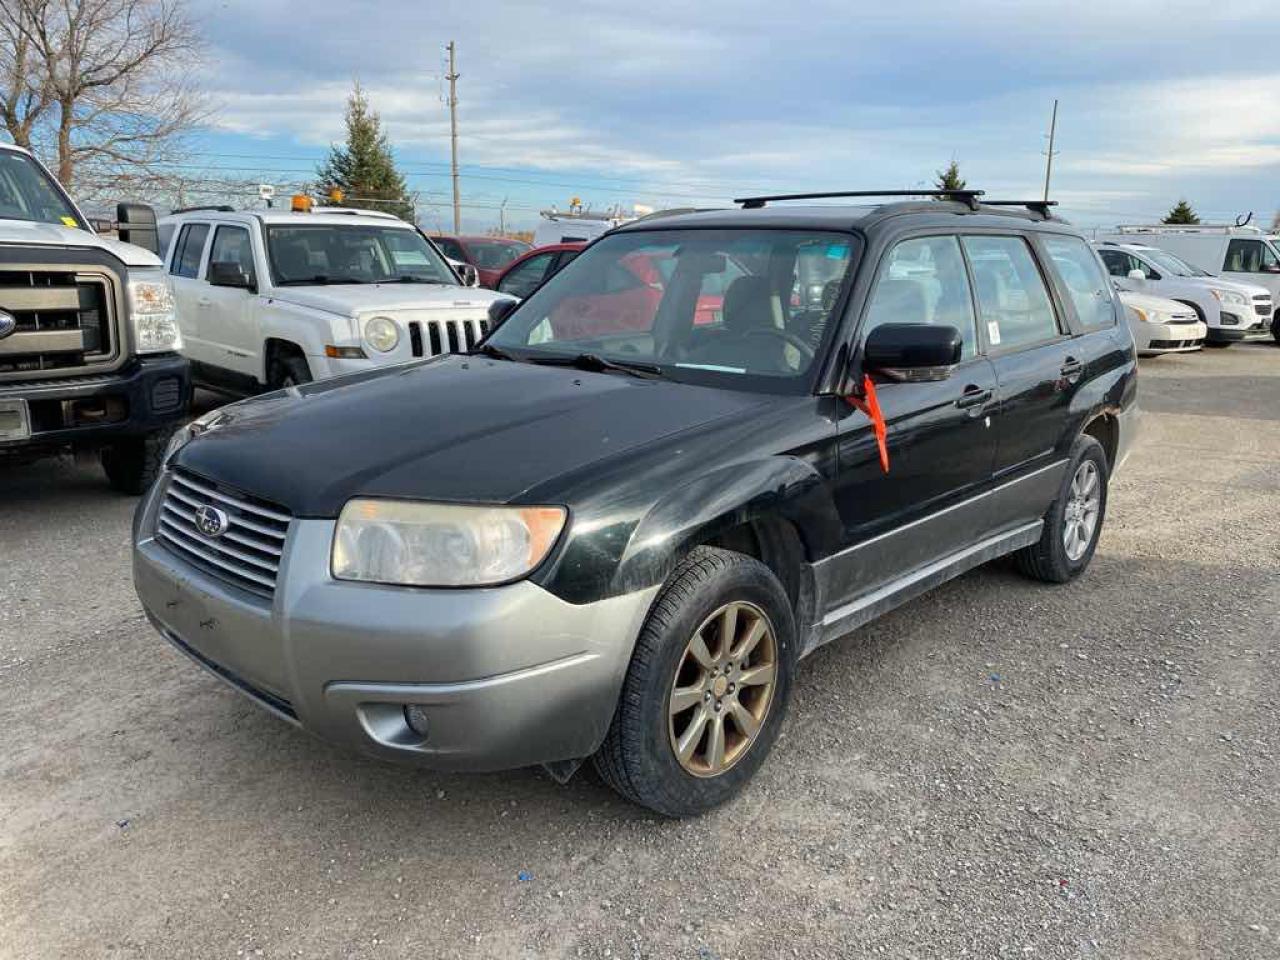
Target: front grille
[(1263, 308), (445, 336), (64, 321), (247, 554), (1172, 344)]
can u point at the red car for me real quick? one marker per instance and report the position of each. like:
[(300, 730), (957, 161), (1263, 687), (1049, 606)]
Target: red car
[(524, 274), (489, 255)]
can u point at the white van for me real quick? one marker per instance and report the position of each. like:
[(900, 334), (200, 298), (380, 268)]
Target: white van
[(1245, 254), (1231, 310)]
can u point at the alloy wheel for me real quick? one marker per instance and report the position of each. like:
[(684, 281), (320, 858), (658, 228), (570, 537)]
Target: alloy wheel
[(1084, 506), (723, 689)]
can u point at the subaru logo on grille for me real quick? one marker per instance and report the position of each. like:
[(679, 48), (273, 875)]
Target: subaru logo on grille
[(8, 324), (211, 521)]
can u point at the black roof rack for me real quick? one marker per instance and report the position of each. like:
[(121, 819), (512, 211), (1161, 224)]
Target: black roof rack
[(1035, 206), (219, 208), (969, 197)]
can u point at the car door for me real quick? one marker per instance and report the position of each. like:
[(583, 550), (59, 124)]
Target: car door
[(228, 315), (527, 275), (1039, 366), (185, 262), (940, 434)]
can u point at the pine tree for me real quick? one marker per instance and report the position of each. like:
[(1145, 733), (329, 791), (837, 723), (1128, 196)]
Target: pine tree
[(949, 179), (1181, 213), (364, 168)]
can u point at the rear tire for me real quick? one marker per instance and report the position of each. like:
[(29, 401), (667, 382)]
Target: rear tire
[(289, 370), (132, 465), (1058, 556), (639, 757)]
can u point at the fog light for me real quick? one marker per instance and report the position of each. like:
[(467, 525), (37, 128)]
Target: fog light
[(416, 717)]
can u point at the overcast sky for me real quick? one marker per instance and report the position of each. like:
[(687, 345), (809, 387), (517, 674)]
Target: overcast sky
[(698, 101)]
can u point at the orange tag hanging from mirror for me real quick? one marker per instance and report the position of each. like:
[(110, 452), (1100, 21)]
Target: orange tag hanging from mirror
[(869, 404)]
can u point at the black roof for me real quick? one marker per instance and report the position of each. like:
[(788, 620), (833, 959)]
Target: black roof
[(847, 217)]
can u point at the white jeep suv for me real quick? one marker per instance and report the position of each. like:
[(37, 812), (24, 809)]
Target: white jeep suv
[(277, 297), (1232, 311)]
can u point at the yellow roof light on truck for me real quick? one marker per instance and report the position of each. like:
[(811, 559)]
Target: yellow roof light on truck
[(301, 203)]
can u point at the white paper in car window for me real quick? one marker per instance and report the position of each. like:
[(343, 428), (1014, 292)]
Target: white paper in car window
[(409, 258), (993, 332)]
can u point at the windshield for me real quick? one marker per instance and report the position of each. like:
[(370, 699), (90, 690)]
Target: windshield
[(28, 193), (1171, 264), (308, 254), (495, 254), (701, 305)]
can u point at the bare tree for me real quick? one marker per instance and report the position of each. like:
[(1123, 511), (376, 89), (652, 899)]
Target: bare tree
[(114, 76), (24, 95)]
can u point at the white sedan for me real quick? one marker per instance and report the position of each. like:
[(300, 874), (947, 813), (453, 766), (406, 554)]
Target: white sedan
[(1162, 326)]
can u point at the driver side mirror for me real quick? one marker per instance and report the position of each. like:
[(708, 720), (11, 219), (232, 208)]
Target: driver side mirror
[(469, 274), (499, 310), (228, 273), (912, 352)]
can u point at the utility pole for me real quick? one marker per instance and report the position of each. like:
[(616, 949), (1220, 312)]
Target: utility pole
[(1048, 163), (502, 218), (453, 136)]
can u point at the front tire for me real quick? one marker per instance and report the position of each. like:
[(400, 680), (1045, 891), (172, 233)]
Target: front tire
[(289, 371), (1074, 521), (132, 465), (707, 688)]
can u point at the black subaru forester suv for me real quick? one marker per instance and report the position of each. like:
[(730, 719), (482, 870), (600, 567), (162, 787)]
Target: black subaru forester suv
[(713, 443)]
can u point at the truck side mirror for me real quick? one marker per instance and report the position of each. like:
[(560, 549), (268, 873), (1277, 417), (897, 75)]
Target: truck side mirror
[(136, 224), (228, 273), (912, 352)]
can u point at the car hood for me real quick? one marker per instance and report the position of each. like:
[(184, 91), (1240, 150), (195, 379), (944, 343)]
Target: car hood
[(455, 428), (1248, 289), (1144, 301), (25, 232), (349, 300)]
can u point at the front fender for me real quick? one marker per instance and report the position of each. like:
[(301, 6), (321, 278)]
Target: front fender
[(784, 488)]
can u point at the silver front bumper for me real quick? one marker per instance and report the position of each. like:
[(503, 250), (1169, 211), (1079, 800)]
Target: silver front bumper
[(506, 676)]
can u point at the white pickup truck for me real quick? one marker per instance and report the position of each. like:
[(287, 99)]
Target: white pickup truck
[(271, 298)]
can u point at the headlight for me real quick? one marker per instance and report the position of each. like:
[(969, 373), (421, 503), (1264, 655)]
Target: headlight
[(382, 334), (154, 314), (1230, 296), (441, 544), (1150, 316)]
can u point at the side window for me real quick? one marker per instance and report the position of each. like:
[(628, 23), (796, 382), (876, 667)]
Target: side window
[(1250, 256), (232, 245), (451, 248), (186, 259), (524, 279), (1012, 297), (1086, 283), (1117, 262), (924, 281)]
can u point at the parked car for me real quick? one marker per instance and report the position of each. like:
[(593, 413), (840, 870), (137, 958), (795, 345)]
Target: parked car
[(527, 272), (274, 298), (1245, 254), (1162, 326), (489, 255), (1231, 311), (88, 339), (618, 542)]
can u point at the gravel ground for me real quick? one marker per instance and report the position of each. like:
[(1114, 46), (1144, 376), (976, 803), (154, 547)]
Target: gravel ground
[(1000, 769)]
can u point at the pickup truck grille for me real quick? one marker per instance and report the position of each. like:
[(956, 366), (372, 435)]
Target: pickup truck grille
[(247, 554), (431, 338), (65, 321)]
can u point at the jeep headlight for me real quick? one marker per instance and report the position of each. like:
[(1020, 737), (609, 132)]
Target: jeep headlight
[(382, 333), (441, 544), (153, 312), (1230, 296)]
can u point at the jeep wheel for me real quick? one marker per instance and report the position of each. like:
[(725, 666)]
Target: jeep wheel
[(1074, 522), (289, 371), (1275, 327), (707, 687), (132, 465)]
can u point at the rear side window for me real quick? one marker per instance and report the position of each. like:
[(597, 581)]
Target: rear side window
[(924, 281), (186, 259), (524, 279), (1012, 298), (1084, 279)]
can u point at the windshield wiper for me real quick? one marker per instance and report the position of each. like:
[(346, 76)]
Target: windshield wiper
[(489, 350), (408, 279), (598, 364), (318, 280)]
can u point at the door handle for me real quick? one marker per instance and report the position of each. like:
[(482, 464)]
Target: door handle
[(1072, 368), (973, 399)]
